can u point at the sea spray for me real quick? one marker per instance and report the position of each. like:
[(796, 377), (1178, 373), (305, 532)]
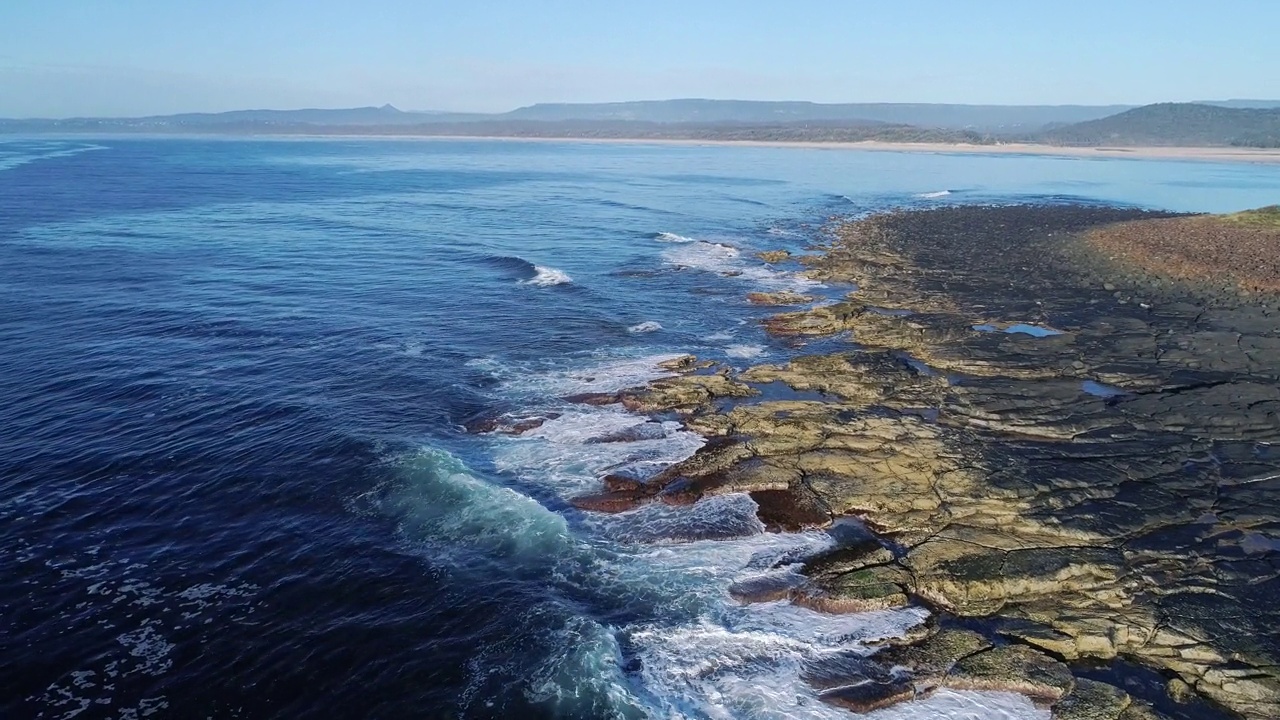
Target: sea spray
[(547, 276), (647, 326)]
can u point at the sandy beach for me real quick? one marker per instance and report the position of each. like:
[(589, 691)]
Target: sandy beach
[(1202, 154)]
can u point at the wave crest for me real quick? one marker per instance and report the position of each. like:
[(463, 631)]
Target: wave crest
[(672, 238), (647, 326), (547, 276)]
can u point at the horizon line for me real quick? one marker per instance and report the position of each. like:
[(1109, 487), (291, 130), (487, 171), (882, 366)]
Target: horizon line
[(392, 107)]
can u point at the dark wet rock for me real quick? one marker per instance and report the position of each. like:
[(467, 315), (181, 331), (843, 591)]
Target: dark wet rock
[(790, 510), (610, 502), (767, 588), (481, 425), (635, 433), (592, 398), (1139, 525), (681, 491), (621, 483), (870, 696), (830, 671), (859, 554), (1013, 668)]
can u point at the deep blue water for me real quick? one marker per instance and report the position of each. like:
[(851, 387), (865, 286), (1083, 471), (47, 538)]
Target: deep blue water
[(233, 478)]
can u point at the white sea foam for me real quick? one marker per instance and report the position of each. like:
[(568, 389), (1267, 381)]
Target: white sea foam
[(11, 160), (547, 276), (744, 351), (673, 238), (647, 326), (702, 255), (610, 375), (935, 194), (567, 455), (719, 336), (720, 517), (705, 655), (727, 260)]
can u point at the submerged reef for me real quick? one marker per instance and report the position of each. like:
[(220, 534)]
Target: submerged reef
[(1070, 452)]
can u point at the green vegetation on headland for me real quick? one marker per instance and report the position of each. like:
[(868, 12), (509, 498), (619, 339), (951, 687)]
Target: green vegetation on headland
[(1268, 216), (1175, 124)]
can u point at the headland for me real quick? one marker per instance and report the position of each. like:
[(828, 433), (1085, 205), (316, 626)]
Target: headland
[(1060, 427)]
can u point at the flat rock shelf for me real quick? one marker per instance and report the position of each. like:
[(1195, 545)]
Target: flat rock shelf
[(1109, 554)]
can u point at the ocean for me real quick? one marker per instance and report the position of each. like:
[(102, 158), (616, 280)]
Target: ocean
[(234, 377)]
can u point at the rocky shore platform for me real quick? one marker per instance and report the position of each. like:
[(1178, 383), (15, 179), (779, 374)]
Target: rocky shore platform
[(1060, 427)]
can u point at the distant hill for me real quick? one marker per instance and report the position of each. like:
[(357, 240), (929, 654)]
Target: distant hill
[(834, 131), (241, 120), (1173, 124), (1003, 119), (1253, 123), (982, 118), (1241, 103), (385, 115)]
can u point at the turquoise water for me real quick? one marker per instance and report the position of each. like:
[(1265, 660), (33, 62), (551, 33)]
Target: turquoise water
[(233, 477)]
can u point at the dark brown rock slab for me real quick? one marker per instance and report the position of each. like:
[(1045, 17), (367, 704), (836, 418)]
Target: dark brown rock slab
[(870, 696), (1013, 668)]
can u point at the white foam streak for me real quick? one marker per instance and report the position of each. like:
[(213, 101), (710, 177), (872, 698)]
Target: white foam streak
[(609, 376), (11, 160), (936, 194), (744, 351), (673, 238), (707, 656), (647, 326), (567, 454), (547, 276), (729, 261)]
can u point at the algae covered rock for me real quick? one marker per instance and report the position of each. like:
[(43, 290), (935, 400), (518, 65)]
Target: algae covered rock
[(685, 392), (782, 297), (1013, 668), (1105, 493)]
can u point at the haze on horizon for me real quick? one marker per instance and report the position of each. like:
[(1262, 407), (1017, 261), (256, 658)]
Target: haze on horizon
[(63, 58)]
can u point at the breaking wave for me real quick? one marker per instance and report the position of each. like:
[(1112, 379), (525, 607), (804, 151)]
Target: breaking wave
[(547, 276), (647, 326), (673, 238), (688, 649), (728, 261)]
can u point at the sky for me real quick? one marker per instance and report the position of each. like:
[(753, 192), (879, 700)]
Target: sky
[(62, 58)]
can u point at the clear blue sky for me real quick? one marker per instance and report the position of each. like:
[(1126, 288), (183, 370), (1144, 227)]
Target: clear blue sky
[(131, 57)]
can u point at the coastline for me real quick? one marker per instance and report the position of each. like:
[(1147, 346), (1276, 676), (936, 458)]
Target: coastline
[(1166, 153), (1062, 484), (1201, 154), (1196, 154)]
